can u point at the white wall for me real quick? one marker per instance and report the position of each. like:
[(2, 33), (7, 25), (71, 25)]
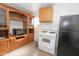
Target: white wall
[(60, 9)]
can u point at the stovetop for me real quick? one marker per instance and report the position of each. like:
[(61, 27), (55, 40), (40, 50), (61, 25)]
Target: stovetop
[(48, 32)]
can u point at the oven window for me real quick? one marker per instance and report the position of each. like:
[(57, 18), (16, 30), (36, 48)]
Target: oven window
[(45, 40)]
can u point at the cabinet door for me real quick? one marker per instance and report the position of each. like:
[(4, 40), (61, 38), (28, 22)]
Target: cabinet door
[(26, 40), (12, 44), (45, 14), (4, 46), (31, 37), (2, 18), (49, 14), (19, 42)]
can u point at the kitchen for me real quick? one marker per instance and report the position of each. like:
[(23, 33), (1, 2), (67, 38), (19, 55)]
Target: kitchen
[(45, 25)]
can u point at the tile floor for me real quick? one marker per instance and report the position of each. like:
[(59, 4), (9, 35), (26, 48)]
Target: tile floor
[(28, 50)]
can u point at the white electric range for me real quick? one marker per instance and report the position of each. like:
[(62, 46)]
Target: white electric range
[(47, 40)]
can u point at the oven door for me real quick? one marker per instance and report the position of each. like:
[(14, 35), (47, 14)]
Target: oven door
[(47, 41)]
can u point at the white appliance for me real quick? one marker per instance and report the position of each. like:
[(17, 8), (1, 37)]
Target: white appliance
[(47, 41)]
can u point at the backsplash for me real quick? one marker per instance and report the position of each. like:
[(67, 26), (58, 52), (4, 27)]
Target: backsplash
[(46, 26)]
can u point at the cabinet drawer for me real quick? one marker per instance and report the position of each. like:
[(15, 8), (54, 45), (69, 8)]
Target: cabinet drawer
[(3, 43)]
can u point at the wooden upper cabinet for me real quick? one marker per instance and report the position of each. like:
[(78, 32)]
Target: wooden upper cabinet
[(45, 14), (3, 22)]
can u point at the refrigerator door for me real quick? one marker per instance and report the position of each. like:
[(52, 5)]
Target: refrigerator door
[(75, 39), (68, 43), (65, 47)]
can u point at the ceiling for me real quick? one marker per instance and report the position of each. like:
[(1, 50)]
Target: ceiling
[(29, 7)]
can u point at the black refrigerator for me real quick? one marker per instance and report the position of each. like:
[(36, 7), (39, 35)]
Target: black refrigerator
[(68, 41)]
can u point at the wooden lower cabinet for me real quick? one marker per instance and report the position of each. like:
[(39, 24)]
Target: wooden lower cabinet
[(19, 42), (31, 37), (12, 43), (26, 40), (4, 46)]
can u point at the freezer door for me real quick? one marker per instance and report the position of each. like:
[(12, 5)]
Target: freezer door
[(69, 22), (66, 22), (75, 22)]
